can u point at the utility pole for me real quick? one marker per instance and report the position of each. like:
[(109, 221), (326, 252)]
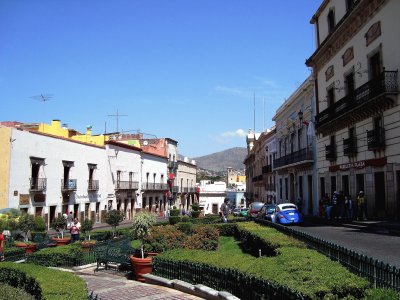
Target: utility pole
[(117, 116)]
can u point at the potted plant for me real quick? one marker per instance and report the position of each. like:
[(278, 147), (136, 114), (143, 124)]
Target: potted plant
[(60, 225), (86, 228), (26, 223), (195, 210), (113, 218), (141, 229)]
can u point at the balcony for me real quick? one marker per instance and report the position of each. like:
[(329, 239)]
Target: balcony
[(350, 146), (93, 185), (151, 186), (267, 169), (127, 185), (38, 184), (302, 156), (376, 139), (330, 152), (68, 185), (359, 105), (270, 187), (172, 165)]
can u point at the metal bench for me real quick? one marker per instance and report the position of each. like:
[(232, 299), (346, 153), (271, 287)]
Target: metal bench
[(114, 253)]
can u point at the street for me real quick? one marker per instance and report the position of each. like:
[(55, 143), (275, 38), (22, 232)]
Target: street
[(377, 245)]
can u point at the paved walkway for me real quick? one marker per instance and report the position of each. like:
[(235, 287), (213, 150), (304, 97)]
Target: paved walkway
[(109, 286)]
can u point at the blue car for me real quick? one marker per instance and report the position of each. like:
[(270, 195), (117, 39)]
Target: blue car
[(287, 213)]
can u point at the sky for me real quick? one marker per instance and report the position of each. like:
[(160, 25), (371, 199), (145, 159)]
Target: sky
[(193, 71)]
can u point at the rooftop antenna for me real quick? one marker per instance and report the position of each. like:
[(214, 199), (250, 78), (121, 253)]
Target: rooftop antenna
[(43, 97), (117, 116), (263, 114), (254, 110)]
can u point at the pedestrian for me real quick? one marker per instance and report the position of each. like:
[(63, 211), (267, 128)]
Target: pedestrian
[(334, 205), (341, 204), (224, 210), (328, 206), (70, 219), (299, 204), (349, 207), (361, 206), (75, 230), (1, 246)]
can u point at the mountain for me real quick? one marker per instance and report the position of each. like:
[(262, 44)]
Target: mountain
[(220, 161)]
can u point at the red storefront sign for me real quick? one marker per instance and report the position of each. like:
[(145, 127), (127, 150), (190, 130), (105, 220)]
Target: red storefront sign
[(376, 162)]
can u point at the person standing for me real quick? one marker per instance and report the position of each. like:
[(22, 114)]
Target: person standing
[(70, 219), (75, 230), (1, 246), (361, 206), (225, 210)]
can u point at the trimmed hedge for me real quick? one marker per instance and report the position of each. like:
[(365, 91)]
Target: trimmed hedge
[(11, 293), (45, 283), (71, 255), (14, 253)]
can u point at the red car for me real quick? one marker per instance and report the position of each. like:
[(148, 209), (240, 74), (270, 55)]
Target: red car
[(254, 209)]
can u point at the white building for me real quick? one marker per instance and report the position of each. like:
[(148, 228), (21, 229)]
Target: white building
[(211, 196)]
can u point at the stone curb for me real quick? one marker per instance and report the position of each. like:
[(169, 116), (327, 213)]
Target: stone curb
[(198, 290)]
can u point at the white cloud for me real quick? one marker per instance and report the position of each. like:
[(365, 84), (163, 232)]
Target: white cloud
[(233, 134), (231, 90)]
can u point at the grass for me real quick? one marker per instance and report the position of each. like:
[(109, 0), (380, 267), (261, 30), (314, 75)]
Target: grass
[(230, 246)]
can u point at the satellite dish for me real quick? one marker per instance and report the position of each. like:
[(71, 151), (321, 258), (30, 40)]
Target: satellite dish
[(145, 143)]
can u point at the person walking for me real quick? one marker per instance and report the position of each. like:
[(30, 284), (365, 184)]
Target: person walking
[(361, 206), (224, 210), (75, 230)]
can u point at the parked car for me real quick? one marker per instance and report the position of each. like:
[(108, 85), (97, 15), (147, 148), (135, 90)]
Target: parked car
[(254, 209), (244, 212), (267, 212), (287, 213)]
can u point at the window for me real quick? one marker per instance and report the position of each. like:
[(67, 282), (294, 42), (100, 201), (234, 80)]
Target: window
[(375, 66), (118, 177), (280, 188), (331, 96), (299, 134), (331, 20), (130, 176), (350, 85)]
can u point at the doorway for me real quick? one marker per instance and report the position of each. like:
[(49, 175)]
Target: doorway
[(76, 208), (333, 185), (345, 184), (359, 183), (310, 195), (291, 192), (380, 193), (52, 213)]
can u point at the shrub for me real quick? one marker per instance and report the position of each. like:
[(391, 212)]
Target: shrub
[(163, 238), (113, 218), (204, 238), (60, 224), (44, 283), (185, 219), (174, 220), (195, 214), (11, 293), (69, 255), (185, 227), (35, 235), (381, 294), (14, 254), (87, 227), (174, 212), (40, 225), (26, 223), (226, 229)]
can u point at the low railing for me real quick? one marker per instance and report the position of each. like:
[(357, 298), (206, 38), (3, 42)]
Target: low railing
[(241, 285), (38, 184), (382, 275), (151, 186), (127, 185), (305, 155), (68, 185), (93, 185)]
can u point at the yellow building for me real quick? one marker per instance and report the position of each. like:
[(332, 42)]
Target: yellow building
[(241, 178), (5, 148)]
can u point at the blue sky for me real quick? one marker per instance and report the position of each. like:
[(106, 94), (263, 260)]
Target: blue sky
[(182, 69)]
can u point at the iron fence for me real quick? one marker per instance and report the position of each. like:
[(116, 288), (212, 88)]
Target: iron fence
[(235, 282), (380, 274)]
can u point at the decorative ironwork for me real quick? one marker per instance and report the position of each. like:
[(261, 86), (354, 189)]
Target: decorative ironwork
[(303, 155), (38, 184), (356, 106), (151, 186), (68, 185), (330, 152), (127, 185), (376, 139), (350, 146), (93, 185)]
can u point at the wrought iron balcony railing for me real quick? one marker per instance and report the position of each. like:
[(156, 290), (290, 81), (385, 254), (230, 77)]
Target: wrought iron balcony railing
[(267, 169), (376, 139), (330, 152), (350, 146), (352, 106), (270, 187), (303, 155), (151, 186), (93, 185), (38, 184), (68, 185), (127, 185)]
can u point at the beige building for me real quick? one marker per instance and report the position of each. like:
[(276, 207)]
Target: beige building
[(185, 188), (355, 68)]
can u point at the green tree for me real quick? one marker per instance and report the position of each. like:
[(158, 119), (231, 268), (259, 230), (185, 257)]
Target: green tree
[(26, 223), (114, 218), (141, 227), (87, 227), (60, 224)]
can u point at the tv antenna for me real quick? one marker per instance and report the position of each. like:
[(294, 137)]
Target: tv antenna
[(43, 97), (117, 116)]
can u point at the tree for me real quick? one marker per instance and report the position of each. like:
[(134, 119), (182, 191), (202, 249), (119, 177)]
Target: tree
[(60, 224), (87, 227), (141, 227), (113, 218), (26, 223)]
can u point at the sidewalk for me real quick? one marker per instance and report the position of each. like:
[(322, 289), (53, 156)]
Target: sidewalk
[(109, 286), (376, 226)]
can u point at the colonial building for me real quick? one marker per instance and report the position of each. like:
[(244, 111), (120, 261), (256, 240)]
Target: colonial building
[(294, 163), (355, 67), (185, 188), (211, 196), (269, 176), (250, 165)]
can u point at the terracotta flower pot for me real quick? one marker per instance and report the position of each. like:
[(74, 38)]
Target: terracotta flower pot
[(87, 246), (61, 241), (141, 266), (29, 248)]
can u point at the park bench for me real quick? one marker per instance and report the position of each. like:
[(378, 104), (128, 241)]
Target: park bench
[(114, 253), (43, 242)]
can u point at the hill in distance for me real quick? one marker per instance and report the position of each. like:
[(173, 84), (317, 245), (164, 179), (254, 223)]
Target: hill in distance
[(220, 161)]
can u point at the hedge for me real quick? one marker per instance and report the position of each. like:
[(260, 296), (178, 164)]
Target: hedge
[(45, 283), (11, 293), (70, 255), (14, 253)]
